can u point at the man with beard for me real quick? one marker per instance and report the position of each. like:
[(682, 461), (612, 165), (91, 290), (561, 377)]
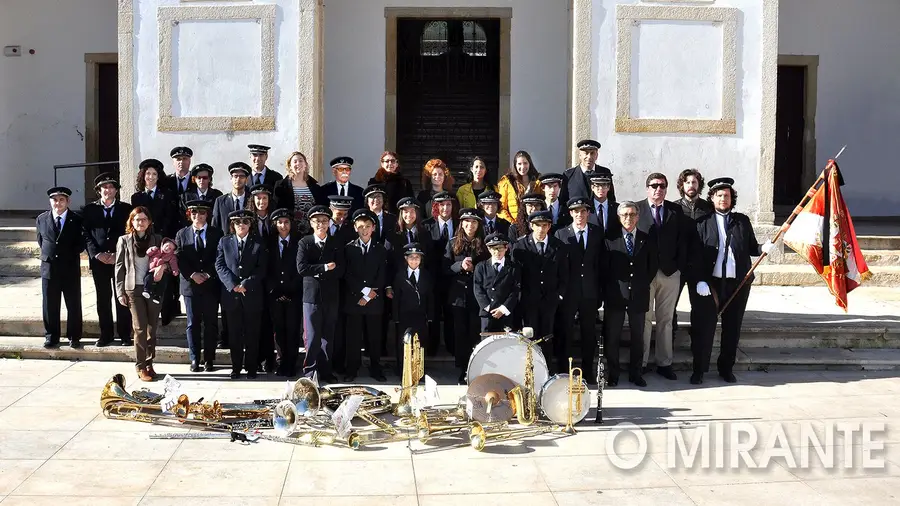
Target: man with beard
[(690, 184)]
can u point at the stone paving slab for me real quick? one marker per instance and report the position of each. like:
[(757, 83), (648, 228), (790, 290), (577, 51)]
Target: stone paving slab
[(64, 450)]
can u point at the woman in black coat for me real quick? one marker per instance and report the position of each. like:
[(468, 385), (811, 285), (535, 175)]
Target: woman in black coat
[(298, 192), (395, 185), (462, 254)]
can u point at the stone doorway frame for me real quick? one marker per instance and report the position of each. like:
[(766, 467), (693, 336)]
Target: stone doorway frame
[(391, 14), (92, 62), (810, 64)]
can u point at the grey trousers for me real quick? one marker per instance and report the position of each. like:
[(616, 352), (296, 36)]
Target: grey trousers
[(664, 291), (144, 318)]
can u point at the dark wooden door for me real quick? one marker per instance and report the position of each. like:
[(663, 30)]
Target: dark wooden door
[(448, 94), (790, 124), (108, 113)]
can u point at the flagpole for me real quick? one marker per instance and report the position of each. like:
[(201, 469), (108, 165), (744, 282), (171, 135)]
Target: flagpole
[(784, 227)]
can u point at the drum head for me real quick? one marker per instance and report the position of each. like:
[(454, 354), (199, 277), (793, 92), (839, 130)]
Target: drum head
[(505, 355), (554, 400)]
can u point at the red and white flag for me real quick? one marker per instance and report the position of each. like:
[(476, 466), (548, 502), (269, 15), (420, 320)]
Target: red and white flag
[(823, 234)]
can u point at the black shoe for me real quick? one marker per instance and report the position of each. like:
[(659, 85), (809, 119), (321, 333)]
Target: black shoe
[(378, 376), (728, 377), (75, 343), (127, 342), (102, 343), (195, 367), (251, 375), (638, 380), (697, 378), (235, 375), (667, 372), (208, 367), (50, 344), (645, 369)]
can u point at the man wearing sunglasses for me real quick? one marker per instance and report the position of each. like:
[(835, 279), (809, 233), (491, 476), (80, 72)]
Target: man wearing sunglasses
[(665, 222)]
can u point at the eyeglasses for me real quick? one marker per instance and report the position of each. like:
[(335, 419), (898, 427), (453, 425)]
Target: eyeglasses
[(658, 185), (242, 222), (628, 215)]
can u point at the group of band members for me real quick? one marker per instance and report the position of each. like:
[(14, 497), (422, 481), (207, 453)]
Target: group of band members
[(331, 267)]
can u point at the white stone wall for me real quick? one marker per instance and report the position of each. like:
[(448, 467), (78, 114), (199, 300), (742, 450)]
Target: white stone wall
[(215, 79), (355, 79), (42, 96), (858, 44), (676, 72)]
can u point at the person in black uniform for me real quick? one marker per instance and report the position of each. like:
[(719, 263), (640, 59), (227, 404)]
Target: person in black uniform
[(284, 287), (413, 304), (341, 167), (576, 182), (545, 275), (630, 263), (727, 243), (104, 222), (410, 229), (690, 185), (489, 201), (441, 227), (241, 267), (584, 244), (179, 184), (198, 244), (340, 227), (550, 185), (201, 178), (320, 263), (365, 278), (531, 203), (61, 238), (462, 254), (261, 205), (260, 172), (497, 284), (603, 209), (374, 195)]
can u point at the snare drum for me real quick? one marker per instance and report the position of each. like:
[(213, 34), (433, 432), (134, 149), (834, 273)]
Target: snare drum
[(505, 355), (554, 400)]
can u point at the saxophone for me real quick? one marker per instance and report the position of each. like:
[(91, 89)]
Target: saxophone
[(523, 397)]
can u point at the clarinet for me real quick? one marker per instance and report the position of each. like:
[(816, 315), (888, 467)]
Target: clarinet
[(601, 380)]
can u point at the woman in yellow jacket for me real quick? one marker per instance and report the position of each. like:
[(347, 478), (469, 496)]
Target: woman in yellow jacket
[(479, 181), (521, 179)]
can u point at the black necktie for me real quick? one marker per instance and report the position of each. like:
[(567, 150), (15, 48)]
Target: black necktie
[(108, 212), (581, 240), (490, 227), (600, 216), (629, 244), (365, 249), (198, 241), (342, 191), (412, 278), (240, 250), (58, 224), (542, 248), (150, 193), (259, 178), (237, 203), (445, 232), (284, 245), (497, 266), (181, 185)]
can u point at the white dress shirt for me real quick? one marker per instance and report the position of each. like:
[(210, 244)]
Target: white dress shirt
[(365, 246), (720, 257)]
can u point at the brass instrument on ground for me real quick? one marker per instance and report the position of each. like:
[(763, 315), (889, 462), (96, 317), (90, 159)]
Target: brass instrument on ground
[(364, 438), (523, 397), (309, 438), (427, 430), (413, 371), (576, 390), (479, 436)]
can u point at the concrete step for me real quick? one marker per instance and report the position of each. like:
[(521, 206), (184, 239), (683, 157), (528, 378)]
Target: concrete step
[(23, 249), (748, 359), (887, 258), (30, 267), (17, 233), (805, 275), (879, 242)]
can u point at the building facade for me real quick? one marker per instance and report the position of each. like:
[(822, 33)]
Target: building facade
[(764, 91)]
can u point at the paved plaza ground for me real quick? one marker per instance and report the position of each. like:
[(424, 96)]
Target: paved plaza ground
[(57, 448)]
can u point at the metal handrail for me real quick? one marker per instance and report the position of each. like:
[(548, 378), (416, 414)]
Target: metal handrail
[(72, 165)]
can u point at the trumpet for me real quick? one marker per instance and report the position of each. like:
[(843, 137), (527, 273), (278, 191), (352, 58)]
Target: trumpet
[(576, 389), (479, 437)]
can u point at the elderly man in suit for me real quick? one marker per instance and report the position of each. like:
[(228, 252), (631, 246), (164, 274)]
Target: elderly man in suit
[(104, 223), (630, 264), (61, 239), (575, 179), (342, 167)]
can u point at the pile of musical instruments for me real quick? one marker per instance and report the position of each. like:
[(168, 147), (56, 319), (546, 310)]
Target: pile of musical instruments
[(503, 373)]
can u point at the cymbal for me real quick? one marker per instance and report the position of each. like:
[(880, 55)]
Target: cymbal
[(490, 390)]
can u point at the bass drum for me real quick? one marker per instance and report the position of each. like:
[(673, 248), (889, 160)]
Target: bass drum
[(554, 400), (505, 355)]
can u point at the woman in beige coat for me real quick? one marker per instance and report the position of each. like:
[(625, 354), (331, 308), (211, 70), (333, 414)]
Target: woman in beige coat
[(132, 264)]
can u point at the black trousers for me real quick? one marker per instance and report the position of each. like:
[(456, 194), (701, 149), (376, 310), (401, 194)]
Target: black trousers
[(541, 317), (202, 324), (243, 336), (732, 320), (587, 329), (267, 338), (467, 325), (613, 321), (415, 320), (319, 321), (443, 319), (53, 291), (104, 285), (359, 325), (285, 324), (491, 324), (171, 306)]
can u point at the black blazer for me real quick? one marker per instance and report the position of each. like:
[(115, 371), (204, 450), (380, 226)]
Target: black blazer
[(284, 194), (355, 191), (194, 194), (432, 261), (493, 289), (740, 237), (575, 184), (563, 219), (60, 253), (361, 271), (282, 278), (383, 233), (272, 177), (672, 238), (162, 209), (460, 290), (544, 277), (248, 270), (190, 260), (413, 300), (171, 183), (612, 218), (627, 278), (223, 206), (439, 245), (500, 226), (585, 265), (396, 187), (100, 236), (320, 286)]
